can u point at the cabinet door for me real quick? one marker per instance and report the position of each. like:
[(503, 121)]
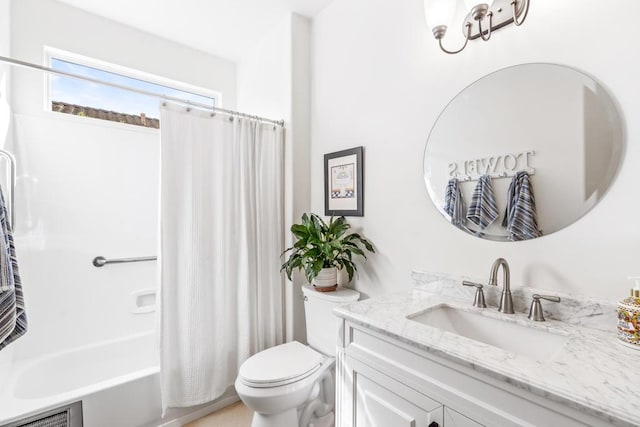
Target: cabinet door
[(455, 419), (384, 402)]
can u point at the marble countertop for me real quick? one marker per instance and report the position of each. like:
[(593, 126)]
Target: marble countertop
[(592, 372)]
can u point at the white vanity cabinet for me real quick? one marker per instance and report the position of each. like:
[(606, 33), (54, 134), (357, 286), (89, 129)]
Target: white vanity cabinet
[(383, 382)]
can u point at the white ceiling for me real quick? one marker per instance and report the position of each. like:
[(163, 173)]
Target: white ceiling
[(225, 28)]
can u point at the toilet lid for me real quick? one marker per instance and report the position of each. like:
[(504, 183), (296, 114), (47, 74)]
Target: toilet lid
[(280, 365)]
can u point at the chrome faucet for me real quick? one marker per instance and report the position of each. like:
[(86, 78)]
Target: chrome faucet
[(506, 302)]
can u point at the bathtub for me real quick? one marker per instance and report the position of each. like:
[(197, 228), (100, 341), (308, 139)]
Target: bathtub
[(117, 381)]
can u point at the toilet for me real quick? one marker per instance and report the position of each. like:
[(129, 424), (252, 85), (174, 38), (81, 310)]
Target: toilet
[(292, 384)]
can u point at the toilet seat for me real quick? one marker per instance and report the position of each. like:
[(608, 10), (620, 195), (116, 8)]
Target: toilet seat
[(280, 365)]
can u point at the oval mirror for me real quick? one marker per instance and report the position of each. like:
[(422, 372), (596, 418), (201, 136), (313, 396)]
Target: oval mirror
[(552, 131)]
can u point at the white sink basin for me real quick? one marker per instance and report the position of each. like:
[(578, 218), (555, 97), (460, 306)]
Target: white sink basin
[(537, 344)]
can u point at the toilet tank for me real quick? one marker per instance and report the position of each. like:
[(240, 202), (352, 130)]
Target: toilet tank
[(322, 324)]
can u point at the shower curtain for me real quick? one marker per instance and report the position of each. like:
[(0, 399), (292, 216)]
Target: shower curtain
[(221, 236)]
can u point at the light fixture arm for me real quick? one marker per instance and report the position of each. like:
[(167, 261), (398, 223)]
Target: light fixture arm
[(501, 13), (514, 5), (490, 15), (439, 34)]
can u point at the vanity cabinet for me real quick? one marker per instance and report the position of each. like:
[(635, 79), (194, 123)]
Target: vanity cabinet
[(384, 382)]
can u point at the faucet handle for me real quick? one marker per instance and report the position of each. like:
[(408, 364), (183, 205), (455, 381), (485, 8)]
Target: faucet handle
[(478, 301), (535, 312)]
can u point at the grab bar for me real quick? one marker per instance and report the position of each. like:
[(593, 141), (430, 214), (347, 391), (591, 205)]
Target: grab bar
[(101, 261), (12, 183)]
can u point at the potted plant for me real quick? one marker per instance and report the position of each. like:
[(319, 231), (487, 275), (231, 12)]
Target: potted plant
[(322, 249)]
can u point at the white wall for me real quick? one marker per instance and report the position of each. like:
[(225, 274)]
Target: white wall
[(264, 74), (379, 80), (273, 81), (5, 74), (298, 158), (88, 187), (5, 70)]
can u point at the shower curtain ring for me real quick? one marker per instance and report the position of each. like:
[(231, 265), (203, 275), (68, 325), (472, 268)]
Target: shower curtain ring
[(188, 106)]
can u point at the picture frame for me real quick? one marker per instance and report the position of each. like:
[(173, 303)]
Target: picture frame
[(344, 183)]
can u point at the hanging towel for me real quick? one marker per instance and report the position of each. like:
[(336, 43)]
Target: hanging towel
[(454, 203), (13, 319), (520, 216), (483, 209), (511, 197)]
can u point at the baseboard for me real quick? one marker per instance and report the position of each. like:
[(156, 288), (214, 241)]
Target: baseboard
[(201, 412)]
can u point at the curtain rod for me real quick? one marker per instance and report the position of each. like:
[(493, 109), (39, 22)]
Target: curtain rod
[(141, 91)]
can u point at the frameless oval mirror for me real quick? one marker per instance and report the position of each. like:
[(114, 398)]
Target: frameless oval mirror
[(555, 123)]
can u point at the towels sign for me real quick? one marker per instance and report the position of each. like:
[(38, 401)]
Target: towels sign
[(499, 166)]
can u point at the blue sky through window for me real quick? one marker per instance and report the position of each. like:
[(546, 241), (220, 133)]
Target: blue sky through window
[(80, 92)]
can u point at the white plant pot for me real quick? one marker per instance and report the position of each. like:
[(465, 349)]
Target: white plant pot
[(327, 278)]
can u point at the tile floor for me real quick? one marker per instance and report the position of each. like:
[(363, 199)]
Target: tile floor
[(236, 415)]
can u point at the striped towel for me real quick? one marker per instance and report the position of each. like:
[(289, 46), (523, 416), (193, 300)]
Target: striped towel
[(454, 203), (520, 217), (13, 320), (483, 209)]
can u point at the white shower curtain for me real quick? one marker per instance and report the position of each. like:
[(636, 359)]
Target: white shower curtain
[(221, 291)]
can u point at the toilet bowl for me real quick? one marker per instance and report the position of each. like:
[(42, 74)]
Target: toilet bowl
[(292, 384), (276, 394)]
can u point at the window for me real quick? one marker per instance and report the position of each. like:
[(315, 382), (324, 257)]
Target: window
[(89, 99)]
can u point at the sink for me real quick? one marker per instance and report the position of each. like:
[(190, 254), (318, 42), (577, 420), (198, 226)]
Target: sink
[(534, 343)]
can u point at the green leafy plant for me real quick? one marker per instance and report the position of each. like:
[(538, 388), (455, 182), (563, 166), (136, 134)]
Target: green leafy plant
[(320, 245)]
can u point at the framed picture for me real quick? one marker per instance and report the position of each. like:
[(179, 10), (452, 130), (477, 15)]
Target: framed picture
[(343, 183)]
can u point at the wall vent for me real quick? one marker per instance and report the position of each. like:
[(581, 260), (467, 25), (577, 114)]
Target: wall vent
[(64, 416)]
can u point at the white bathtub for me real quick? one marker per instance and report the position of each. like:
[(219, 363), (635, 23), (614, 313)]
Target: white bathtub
[(117, 381)]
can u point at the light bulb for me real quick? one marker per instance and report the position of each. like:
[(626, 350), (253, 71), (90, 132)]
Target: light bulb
[(439, 12)]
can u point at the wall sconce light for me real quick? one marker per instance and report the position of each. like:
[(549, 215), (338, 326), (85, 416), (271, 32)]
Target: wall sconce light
[(482, 20)]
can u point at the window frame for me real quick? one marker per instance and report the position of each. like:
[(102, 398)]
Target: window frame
[(51, 53)]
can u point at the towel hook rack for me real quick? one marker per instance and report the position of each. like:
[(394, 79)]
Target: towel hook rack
[(11, 160)]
